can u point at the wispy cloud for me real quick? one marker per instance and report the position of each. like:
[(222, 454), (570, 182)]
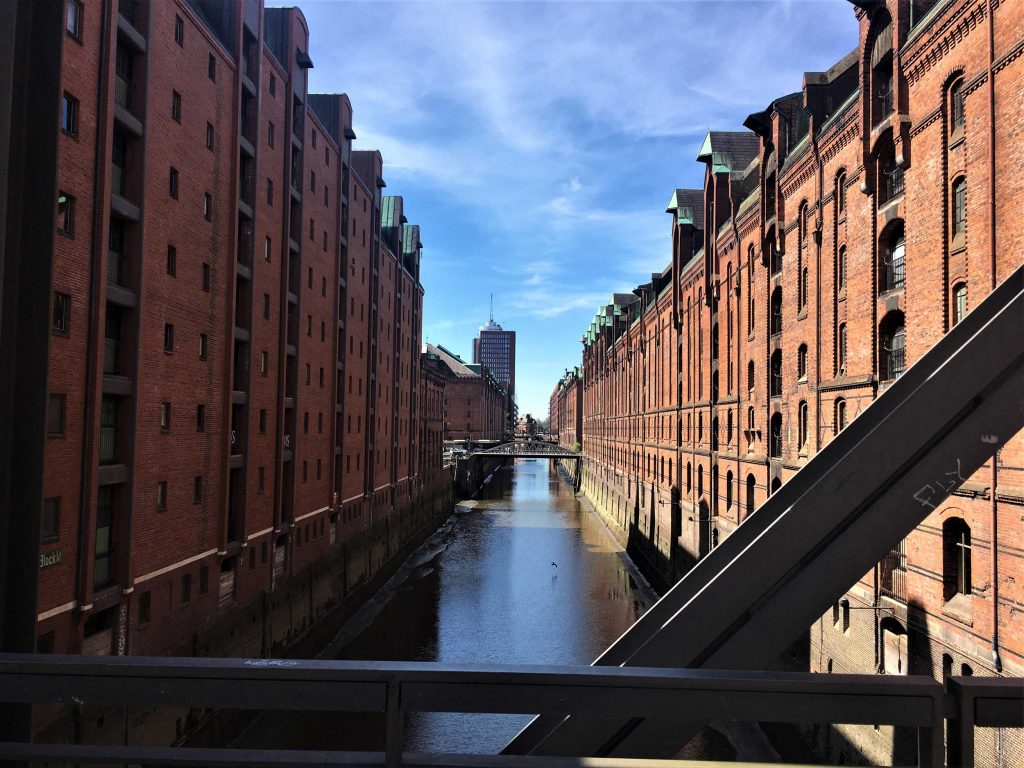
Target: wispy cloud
[(536, 143)]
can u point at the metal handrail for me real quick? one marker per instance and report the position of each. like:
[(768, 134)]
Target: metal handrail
[(396, 688)]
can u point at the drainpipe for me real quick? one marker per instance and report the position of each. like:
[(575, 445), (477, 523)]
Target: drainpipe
[(996, 660)]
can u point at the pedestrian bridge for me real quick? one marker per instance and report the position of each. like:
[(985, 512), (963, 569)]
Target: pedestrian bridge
[(532, 449)]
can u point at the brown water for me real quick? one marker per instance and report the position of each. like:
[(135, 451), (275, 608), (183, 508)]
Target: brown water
[(526, 575)]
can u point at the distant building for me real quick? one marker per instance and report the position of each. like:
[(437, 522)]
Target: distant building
[(496, 348), (474, 400)]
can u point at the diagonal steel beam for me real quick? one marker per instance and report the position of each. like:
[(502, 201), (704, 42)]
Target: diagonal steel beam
[(742, 605)]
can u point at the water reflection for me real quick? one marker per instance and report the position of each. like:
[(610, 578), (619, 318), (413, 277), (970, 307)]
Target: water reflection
[(527, 576)]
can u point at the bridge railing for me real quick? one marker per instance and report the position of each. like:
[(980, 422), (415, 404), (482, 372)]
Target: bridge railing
[(393, 689)]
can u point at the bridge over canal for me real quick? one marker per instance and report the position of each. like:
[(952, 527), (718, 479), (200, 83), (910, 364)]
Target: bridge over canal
[(533, 449)]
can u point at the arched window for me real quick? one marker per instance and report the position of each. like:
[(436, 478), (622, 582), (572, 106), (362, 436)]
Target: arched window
[(714, 341), (728, 427), (728, 489), (841, 194), (959, 302), (956, 558), (841, 268), (774, 255), (776, 326), (892, 252), (775, 436), (801, 362), (700, 481), (802, 423), (804, 285), (751, 487), (956, 109), (958, 221), (892, 355), (776, 484), (776, 374), (750, 375), (714, 434), (750, 420), (841, 349), (714, 488), (840, 420), (894, 647)]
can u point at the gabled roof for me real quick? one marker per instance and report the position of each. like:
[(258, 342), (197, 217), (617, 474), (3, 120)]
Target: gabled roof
[(453, 362), (688, 206), (729, 151)]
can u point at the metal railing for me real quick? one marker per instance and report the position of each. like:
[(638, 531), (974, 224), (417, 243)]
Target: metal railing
[(396, 688), (892, 576), (892, 184)]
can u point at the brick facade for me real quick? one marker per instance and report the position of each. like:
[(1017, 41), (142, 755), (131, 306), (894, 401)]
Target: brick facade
[(240, 332), (830, 246)]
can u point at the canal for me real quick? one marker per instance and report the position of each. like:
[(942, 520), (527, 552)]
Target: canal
[(523, 574)]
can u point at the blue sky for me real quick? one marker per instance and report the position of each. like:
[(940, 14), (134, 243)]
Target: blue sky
[(536, 144)]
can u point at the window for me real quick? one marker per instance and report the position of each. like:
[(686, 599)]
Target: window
[(206, 277), (186, 587), (844, 608), (775, 436), (841, 269), (204, 579), (751, 488), (266, 250), (270, 135), (260, 483), (841, 194), (841, 353), (305, 423), (208, 206), (173, 183), (263, 421), (266, 306), (313, 139), (211, 68), (307, 373), (840, 421), (312, 178), (801, 362), (959, 302), (172, 260), (102, 572), (55, 415), (802, 423), (50, 521), (894, 342), (168, 338), (209, 135), (176, 106), (179, 30), (305, 471), (203, 344), (61, 312), (956, 558), (165, 416), (956, 109), (65, 213), (73, 21), (893, 252), (200, 418), (776, 324), (197, 490), (144, 606), (270, 201), (69, 115), (263, 363), (318, 469), (161, 496), (776, 374), (273, 85), (959, 221)]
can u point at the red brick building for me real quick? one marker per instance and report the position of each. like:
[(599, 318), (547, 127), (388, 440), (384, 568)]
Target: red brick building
[(566, 410), (831, 245), (235, 371), (474, 402)]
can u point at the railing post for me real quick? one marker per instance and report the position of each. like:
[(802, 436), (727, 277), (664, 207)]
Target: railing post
[(393, 724)]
